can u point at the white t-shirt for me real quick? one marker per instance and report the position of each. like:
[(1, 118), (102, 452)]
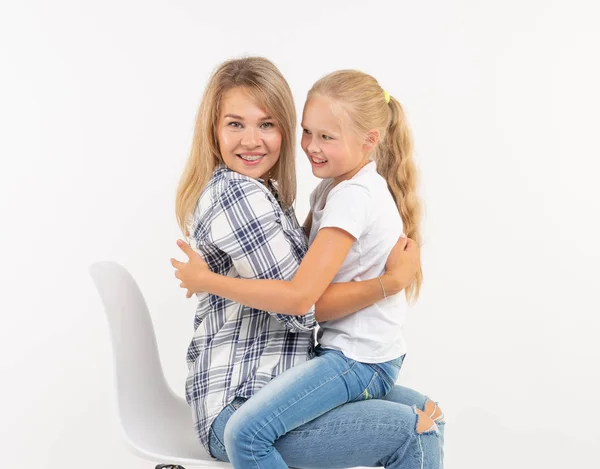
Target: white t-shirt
[(364, 207)]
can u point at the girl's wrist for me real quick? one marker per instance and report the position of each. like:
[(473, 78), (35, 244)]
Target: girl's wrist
[(391, 284)]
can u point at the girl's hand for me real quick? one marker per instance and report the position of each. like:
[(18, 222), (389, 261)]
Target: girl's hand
[(191, 273), (402, 263)]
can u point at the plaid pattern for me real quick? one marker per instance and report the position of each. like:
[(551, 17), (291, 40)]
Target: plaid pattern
[(241, 231)]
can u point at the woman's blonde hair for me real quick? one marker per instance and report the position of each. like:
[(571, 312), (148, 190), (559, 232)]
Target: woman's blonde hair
[(267, 86), (367, 105)]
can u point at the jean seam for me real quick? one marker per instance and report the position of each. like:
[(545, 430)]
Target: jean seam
[(422, 456), (383, 374), (375, 375), (295, 403), (234, 406), (218, 442), (332, 428)]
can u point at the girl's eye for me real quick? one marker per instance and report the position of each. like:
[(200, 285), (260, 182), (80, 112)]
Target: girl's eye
[(326, 137), (267, 125), (306, 131), (236, 125)]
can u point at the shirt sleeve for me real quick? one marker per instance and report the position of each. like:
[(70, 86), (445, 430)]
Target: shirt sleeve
[(348, 208), (247, 227), (312, 198)]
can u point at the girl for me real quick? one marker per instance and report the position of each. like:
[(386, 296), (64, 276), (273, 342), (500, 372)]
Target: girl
[(234, 201)]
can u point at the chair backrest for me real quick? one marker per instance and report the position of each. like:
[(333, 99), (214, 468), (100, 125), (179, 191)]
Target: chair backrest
[(141, 386)]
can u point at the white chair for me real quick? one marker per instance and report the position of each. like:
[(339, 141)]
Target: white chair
[(157, 424)]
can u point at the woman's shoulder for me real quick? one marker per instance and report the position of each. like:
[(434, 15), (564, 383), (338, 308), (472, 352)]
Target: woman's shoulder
[(224, 190), (225, 181), (208, 201)]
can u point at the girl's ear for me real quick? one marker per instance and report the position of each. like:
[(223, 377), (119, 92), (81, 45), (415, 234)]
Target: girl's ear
[(372, 139)]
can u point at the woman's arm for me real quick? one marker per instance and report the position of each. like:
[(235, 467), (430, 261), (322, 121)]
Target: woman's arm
[(342, 299)]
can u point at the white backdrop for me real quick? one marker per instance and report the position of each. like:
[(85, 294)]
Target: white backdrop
[(97, 105)]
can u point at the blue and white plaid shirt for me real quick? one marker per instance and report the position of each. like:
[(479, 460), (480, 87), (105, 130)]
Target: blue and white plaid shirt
[(241, 231)]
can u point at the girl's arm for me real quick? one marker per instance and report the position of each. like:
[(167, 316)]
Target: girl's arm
[(339, 299), (342, 299), (244, 231), (294, 297)]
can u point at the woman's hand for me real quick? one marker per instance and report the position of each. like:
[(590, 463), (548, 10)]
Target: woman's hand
[(191, 273), (402, 264)]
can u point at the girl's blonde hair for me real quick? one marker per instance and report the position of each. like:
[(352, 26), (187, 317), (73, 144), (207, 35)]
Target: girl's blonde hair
[(267, 86), (367, 105)]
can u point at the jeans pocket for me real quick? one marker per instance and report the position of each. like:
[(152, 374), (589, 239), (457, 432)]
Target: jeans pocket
[(377, 388), (390, 370), (217, 430), (216, 447), (397, 362)]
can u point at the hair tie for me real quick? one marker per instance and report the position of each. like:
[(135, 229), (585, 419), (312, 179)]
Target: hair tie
[(387, 97)]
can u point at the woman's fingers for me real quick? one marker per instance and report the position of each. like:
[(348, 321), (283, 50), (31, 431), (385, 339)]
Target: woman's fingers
[(186, 248)]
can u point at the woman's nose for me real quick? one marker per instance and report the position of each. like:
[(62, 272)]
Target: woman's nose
[(250, 137)]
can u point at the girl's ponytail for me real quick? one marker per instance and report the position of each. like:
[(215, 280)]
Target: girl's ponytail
[(395, 163)]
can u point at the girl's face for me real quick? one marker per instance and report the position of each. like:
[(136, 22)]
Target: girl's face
[(249, 139), (333, 149)]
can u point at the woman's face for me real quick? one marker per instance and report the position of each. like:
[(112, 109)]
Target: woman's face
[(249, 138)]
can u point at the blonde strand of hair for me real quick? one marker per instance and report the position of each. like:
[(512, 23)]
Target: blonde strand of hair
[(399, 170)]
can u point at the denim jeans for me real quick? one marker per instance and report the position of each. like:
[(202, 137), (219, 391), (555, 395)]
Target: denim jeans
[(362, 432)]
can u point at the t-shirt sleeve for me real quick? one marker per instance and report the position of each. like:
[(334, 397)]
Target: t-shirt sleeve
[(315, 194), (348, 208)]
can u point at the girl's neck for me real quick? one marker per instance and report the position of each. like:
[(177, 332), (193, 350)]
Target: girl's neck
[(351, 174)]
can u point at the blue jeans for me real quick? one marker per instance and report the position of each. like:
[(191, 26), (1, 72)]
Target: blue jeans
[(364, 432), (300, 395)]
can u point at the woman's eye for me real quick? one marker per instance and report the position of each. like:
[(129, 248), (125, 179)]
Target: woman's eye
[(236, 125), (267, 125)]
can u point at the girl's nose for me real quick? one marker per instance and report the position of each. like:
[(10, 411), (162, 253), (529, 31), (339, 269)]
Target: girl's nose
[(311, 147)]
